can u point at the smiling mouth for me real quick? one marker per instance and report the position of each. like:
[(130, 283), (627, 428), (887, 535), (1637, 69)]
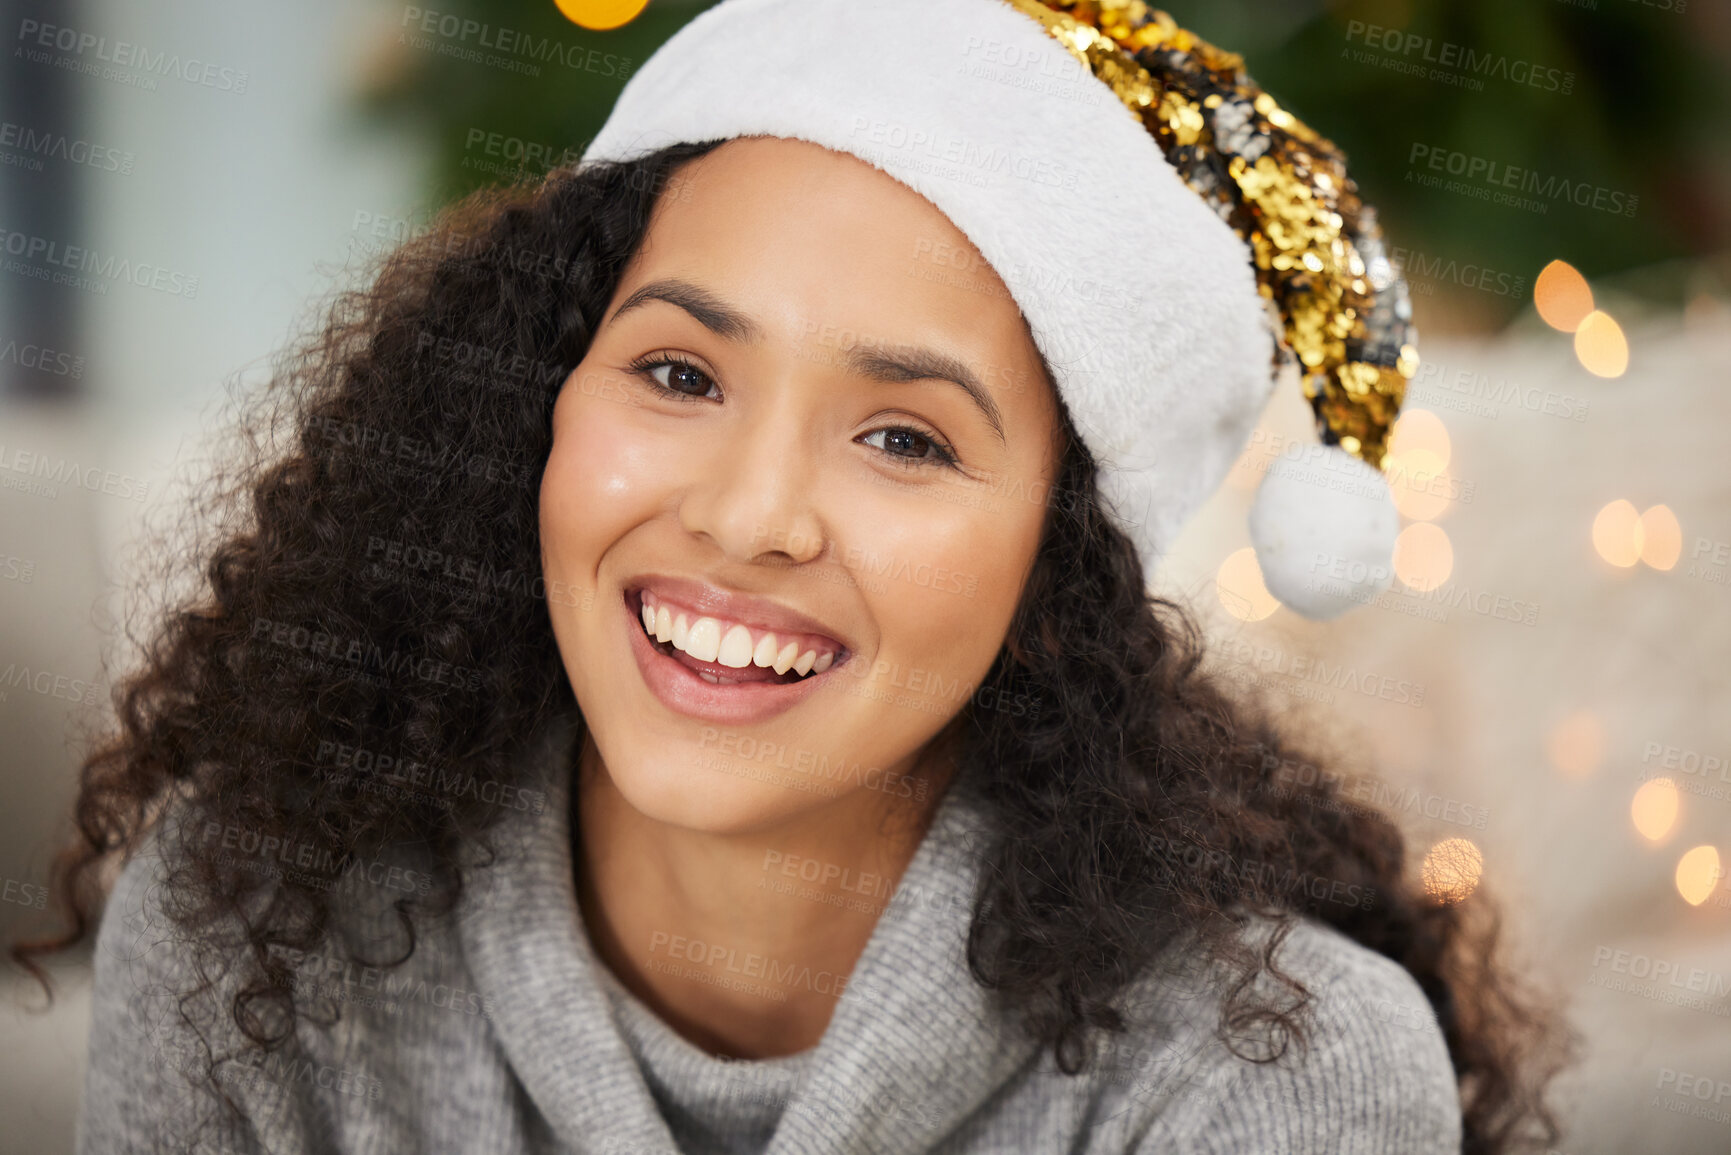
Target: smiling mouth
[(723, 640)]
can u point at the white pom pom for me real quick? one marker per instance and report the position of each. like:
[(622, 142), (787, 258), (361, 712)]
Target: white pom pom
[(1324, 530)]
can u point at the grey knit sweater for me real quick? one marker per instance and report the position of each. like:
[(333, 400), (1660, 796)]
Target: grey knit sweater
[(503, 1035)]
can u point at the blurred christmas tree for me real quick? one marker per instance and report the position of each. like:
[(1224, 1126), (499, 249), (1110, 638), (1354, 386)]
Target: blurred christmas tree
[(506, 88), (1606, 115)]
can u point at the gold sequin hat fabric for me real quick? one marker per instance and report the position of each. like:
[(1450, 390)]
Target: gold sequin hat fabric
[(1173, 238), (1317, 248)]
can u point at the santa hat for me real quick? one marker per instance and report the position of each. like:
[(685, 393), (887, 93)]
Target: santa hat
[(1176, 241)]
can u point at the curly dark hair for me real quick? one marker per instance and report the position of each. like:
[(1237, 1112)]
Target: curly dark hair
[(415, 424)]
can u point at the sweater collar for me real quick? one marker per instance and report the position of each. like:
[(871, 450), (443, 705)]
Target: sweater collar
[(913, 1048)]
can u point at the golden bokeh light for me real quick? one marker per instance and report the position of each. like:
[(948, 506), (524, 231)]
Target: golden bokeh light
[(1618, 534), (1419, 482), (1562, 296), (1654, 809), (1417, 429), (1697, 874), (1239, 586), (600, 15), (1576, 745), (1452, 870), (1600, 346), (1423, 556), (1661, 537)]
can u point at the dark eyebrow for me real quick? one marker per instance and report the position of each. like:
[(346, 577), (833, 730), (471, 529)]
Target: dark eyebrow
[(709, 310), (916, 364), (905, 364)]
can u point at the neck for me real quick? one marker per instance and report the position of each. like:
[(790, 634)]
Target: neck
[(741, 942)]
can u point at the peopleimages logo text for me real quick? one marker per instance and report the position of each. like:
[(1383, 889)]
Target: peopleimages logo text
[(1460, 58), (77, 260), (124, 54), (1496, 174), (511, 42)]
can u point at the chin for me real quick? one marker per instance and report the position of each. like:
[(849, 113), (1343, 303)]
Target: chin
[(684, 788)]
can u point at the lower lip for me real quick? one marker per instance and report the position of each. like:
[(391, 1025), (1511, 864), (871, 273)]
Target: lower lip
[(682, 691)]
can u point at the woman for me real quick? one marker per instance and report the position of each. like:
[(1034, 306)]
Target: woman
[(685, 687)]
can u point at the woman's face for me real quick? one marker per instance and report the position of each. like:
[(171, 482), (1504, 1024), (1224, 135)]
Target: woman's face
[(811, 411)]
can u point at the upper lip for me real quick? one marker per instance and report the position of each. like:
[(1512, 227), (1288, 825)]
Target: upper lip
[(747, 609)]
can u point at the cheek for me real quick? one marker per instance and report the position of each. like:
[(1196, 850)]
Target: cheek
[(600, 476), (943, 580)]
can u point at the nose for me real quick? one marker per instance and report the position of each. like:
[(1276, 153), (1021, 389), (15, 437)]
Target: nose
[(754, 495)]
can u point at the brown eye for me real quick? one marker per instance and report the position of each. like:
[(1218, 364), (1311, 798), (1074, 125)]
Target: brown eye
[(912, 448), (905, 443), (683, 379)]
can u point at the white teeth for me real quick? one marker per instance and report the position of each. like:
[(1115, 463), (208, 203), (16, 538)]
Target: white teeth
[(702, 639), (735, 648)]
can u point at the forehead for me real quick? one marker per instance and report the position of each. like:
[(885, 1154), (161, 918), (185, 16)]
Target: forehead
[(805, 239)]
